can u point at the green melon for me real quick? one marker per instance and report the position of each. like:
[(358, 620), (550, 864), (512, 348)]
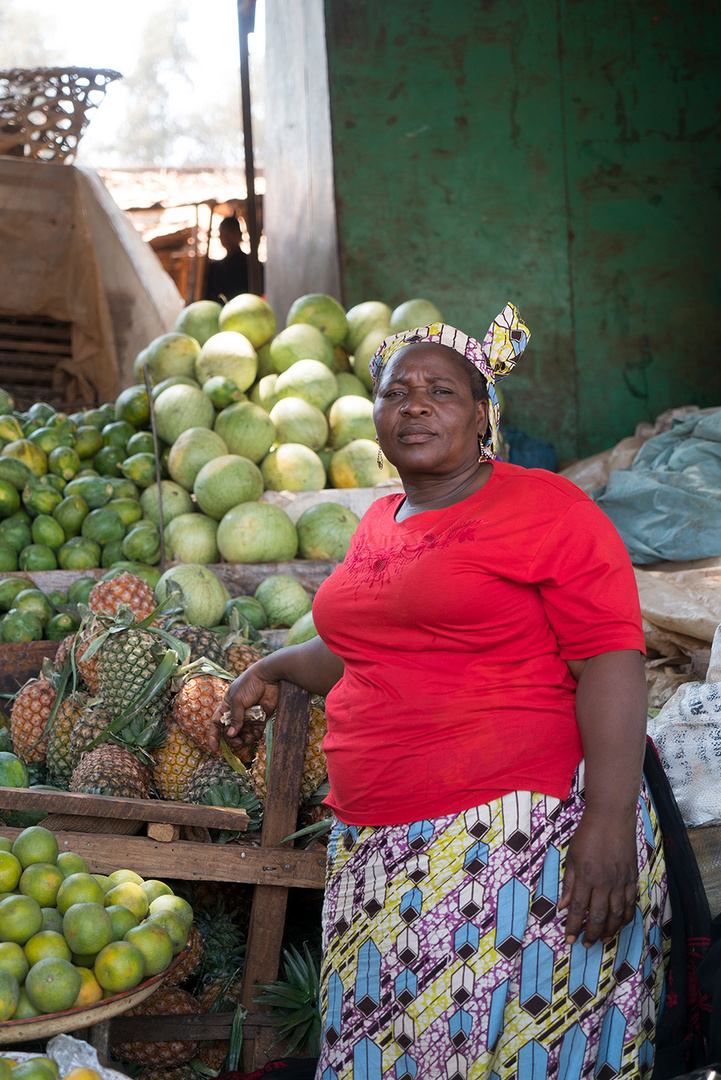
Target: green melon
[(230, 354), (349, 418), (325, 531), (348, 383), (364, 354), (246, 429), (190, 538), (168, 354), (322, 311), (293, 467), (190, 451), (297, 421), (356, 465), (248, 608), (283, 598), (201, 593), (224, 482), (413, 313), (370, 315), (175, 500), (303, 629), (199, 320), (300, 342), (251, 316), (262, 392), (256, 532), (173, 380), (310, 380), (179, 408)]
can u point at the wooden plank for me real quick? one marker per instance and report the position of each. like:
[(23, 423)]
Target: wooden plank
[(181, 1028), (40, 348), (164, 833), (23, 660), (188, 861), (34, 332), (267, 915), (245, 578), (110, 806)]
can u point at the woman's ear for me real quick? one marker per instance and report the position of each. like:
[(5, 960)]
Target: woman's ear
[(482, 413)]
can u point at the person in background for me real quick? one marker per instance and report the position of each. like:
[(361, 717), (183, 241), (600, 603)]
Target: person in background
[(496, 892), (228, 277)]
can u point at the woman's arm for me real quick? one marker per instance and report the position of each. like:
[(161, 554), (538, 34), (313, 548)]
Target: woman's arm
[(311, 665), (601, 871)]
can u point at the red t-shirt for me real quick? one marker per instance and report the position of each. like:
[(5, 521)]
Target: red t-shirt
[(454, 626)]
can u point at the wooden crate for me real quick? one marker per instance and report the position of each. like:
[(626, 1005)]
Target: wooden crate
[(272, 868)]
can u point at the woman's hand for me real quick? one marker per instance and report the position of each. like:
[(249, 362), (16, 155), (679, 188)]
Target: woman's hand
[(253, 687), (600, 878)]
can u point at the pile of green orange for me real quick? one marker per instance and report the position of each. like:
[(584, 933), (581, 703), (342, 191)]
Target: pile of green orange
[(69, 938), (42, 1067)]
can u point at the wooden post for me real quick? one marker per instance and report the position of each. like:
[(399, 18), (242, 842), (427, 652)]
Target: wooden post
[(267, 916), (246, 23)]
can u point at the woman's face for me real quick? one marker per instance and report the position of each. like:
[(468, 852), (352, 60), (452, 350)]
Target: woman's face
[(424, 412)]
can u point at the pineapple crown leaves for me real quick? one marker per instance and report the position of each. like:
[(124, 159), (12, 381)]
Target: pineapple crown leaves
[(242, 632), (295, 1001), (311, 832), (125, 620), (232, 1058), (203, 666)]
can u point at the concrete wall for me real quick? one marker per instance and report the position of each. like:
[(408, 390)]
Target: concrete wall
[(564, 156)]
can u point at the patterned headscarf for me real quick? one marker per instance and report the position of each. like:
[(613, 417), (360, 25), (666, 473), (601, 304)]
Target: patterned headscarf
[(505, 340)]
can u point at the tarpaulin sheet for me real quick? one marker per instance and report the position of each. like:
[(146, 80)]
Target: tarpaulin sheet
[(667, 506)]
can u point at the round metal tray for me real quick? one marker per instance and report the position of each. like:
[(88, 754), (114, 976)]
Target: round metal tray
[(44, 1027)]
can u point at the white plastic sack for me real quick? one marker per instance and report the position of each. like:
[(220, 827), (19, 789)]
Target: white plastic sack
[(687, 735)]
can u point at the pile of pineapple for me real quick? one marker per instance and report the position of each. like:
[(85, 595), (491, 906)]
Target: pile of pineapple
[(126, 709)]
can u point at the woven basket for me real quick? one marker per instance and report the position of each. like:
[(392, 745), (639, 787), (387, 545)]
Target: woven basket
[(43, 111)]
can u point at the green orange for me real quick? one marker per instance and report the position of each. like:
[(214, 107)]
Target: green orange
[(79, 889), (41, 881), (87, 928), (119, 966), (53, 985)]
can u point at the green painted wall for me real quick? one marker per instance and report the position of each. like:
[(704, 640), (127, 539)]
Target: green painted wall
[(564, 157)]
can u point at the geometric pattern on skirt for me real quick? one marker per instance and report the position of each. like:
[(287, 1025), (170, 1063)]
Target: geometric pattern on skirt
[(444, 955)]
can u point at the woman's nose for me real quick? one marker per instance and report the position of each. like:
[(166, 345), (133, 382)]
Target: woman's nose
[(415, 404)]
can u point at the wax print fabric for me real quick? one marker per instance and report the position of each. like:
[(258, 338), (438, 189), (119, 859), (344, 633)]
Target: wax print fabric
[(444, 955)]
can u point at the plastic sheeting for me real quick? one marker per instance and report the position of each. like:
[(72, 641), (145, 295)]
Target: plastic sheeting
[(667, 505), (68, 252)]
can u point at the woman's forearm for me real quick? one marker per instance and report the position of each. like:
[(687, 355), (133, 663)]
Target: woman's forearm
[(311, 665), (611, 708)]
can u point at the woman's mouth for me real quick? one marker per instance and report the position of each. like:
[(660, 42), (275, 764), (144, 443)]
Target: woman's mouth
[(415, 435)]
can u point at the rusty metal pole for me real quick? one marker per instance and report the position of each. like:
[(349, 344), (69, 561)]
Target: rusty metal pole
[(246, 24)]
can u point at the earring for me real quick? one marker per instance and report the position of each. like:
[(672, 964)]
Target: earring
[(485, 453), (379, 458)]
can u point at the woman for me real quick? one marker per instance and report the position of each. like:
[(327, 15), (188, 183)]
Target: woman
[(496, 901)]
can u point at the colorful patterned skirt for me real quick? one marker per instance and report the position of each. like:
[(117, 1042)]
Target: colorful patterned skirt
[(444, 955)]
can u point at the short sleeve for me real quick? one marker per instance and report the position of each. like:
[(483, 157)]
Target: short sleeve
[(587, 585)]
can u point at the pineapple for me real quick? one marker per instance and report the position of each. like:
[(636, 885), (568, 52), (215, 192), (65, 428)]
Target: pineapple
[(107, 596), (59, 755), (127, 660), (111, 770), (194, 705), (92, 720), (28, 717), (88, 669), (314, 764), (215, 783), (202, 643), (168, 1001), (174, 762), (295, 1001), (63, 651), (237, 657), (190, 962), (220, 995)]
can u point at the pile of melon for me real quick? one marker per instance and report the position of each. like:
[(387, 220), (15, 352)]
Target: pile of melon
[(241, 408)]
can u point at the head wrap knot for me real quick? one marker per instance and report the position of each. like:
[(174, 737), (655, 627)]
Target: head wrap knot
[(505, 340)]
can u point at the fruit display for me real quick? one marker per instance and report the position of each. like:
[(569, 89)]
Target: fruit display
[(70, 938), (24, 1066), (239, 409), (126, 707)]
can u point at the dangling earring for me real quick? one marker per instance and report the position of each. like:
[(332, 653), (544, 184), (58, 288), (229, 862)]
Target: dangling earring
[(379, 459), (485, 453)]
